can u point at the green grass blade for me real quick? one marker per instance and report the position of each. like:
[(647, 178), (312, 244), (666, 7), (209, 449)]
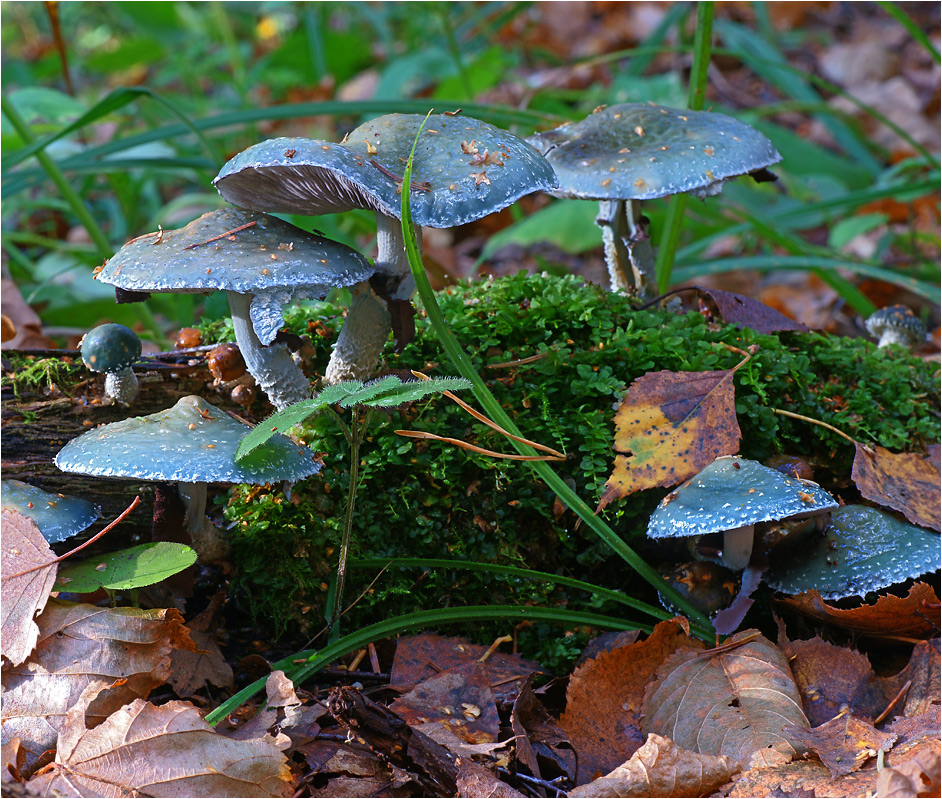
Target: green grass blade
[(315, 660), (912, 28), (513, 571)]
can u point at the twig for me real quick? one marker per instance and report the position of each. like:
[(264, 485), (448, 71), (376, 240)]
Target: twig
[(899, 695), (221, 235), (92, 540), (822, 424), (474, 448)]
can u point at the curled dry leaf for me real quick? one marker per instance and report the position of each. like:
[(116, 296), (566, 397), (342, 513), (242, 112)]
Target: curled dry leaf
[(193, 669), (906, 482), (661, 768), (184, 756), (669, 427), (737, 701), (746, 312), (920, 776), (845, 743), (905, 618), (28, 574), (79, 645)]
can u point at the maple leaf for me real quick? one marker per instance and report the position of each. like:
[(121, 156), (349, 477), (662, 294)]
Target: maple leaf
[(906, 482), (28, 574), (674, 424)]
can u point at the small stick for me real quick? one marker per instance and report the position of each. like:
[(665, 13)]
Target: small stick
[(521, 362), (480, 450), (92, 540), (221, 235), (822, 424), (504, 639), (900, 694), (420, 186)]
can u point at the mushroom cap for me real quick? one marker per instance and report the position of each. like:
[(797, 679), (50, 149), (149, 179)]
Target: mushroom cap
[(463, 169), (863, 549), (192, 442), (268, 255), (57, 516), (641, 151), (110, 348), (896, 324), (733, 492)]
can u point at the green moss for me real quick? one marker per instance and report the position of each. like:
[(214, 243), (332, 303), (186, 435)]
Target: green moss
[(426, 499), (29, 373)]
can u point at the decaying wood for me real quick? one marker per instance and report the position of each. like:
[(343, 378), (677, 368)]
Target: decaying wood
[(432, 765), (37, 423)]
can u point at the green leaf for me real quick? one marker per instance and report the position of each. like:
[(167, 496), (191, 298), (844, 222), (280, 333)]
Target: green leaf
[(387, 392), (848, 229), (127, 568), (566, 224)]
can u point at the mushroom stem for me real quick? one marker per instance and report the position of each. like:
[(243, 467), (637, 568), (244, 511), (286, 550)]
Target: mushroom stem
[(628, 252), (368, 324), (272, 367), (122, 385), (361, 339), (208, 541), (737, 547)]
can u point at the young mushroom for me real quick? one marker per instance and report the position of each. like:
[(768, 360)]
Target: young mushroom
[(896, 324), (738, 498), (623, 154), (58, 516), (191, 444), (113, 349), (463, 169), (260, 262)]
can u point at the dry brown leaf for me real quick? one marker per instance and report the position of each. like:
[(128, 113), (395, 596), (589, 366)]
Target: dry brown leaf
[(13, 760), (661, 768), (905, 482), (459, 698), (351, 770), (742, 311), (829, 677), (537, 735), (419, 657), (737, 701), (25, 321), (192, 669), (669, 427), (604, 698), (802, 778), (907, 618), (28, 574), (845, 743), (161, 751), (475, 780), (920, 775), (80, 645)]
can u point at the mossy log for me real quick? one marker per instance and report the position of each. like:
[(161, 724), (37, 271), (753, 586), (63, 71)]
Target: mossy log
[(37, 421)]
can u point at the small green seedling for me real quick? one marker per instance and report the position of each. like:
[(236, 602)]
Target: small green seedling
[(386, 392), (126, 569)]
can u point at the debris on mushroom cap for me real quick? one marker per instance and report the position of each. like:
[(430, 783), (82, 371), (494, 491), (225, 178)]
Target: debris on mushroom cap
[(192, 442), (863, 549), (57, 516), (641, 151), (896, 324), (734, 492), (110, 348), (210, 254), (367, 171)]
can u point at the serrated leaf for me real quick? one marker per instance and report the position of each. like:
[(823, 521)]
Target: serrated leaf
[(279, 422), (414, 390), (371, 390)]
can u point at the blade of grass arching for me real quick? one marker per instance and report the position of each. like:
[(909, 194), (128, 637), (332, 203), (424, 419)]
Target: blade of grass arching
[(303, 664), (512, 571), (676, 16), (55, 175), (799, 247), (493, 408), (670, 237), (813, 214), (912, 28), (114, 100), (766, 60), (768, 263)]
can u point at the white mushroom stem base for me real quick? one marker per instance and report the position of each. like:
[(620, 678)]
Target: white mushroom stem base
[(628, 252), (272, 367), (122, 386), (208, 540), (737, 547)]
